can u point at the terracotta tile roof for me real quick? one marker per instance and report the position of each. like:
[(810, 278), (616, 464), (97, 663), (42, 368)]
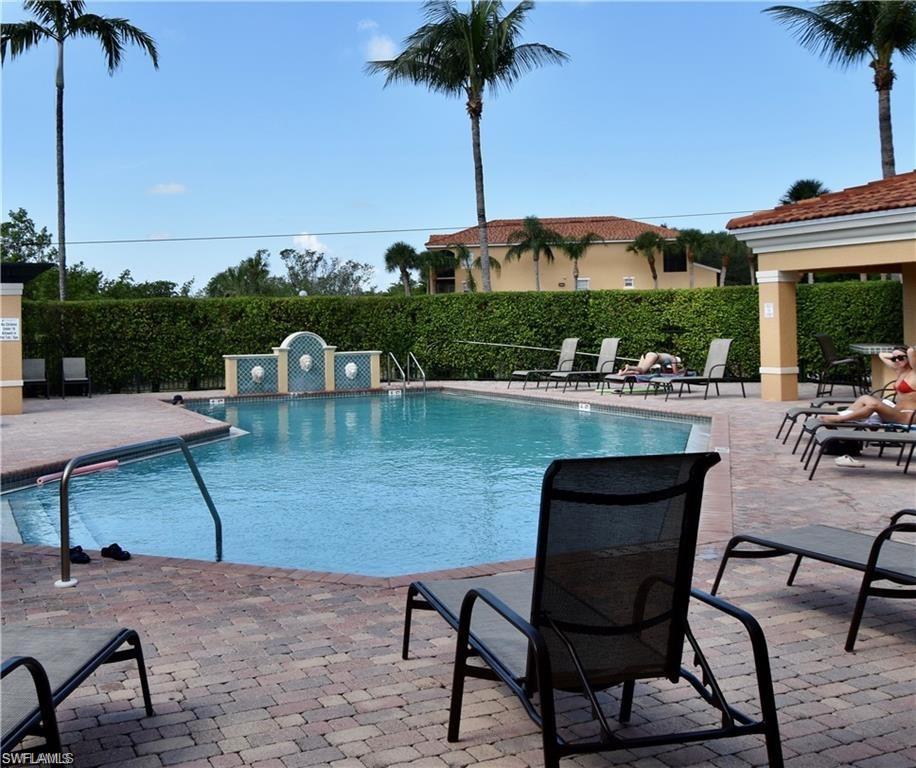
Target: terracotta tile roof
[(896, 192), (608, 228)]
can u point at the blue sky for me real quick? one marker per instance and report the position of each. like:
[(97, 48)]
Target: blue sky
[(262, 121)]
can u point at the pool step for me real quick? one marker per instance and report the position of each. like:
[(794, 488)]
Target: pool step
[(38, 520)]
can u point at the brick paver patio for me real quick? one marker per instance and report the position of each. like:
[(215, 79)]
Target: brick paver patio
[(278, 668)]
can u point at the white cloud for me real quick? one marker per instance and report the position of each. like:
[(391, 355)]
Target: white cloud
[(365, 24), (307, 242), (380, 48), (168, 188)]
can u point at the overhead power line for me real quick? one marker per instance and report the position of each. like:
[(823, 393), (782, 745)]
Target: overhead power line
[(205, 238)]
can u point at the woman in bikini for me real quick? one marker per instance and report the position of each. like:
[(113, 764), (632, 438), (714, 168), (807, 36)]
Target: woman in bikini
[(903, 360), (649, 359)]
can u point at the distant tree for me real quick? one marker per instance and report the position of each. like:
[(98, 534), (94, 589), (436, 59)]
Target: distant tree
[(466, 260), (536, 239), (803, 189), (847, 32), (691, 240), (401, 258), (20, 241), (250, 278), (649, 244), (431, 264), (58, 21), (318, 274), (575, 249), (85, 284), (125, 287), (726, 252), (458, 54)]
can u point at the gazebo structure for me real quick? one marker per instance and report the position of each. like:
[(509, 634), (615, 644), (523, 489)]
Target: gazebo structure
[(871, 228), (13, 276)]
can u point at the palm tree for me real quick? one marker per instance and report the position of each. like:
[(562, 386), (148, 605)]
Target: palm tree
[(401, 257), (431, 263), (57, 21), (691, 240), (536, 238), (459, 53), (803, 189), (464, 259), (847, 32), (648, 243), (575, 249)]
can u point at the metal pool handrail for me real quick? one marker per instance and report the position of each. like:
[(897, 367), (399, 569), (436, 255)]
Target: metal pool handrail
[(393, 359), (412, 357), (111, 453)]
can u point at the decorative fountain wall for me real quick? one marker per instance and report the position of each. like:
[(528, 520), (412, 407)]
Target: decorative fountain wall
[(302, 363)]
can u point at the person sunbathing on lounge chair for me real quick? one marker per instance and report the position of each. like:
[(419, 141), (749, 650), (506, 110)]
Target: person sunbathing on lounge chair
[(671, 363), (869, 408)]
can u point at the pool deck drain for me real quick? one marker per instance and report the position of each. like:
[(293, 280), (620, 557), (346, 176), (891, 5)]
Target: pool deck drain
[(277, 668)]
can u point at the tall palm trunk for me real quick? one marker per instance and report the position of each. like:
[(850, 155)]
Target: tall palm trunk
[(61, 246), (689, 252), (725, 262), (405, 281), (537, 271), (654, 272), (475, 109), (575, 274), (884, 80)]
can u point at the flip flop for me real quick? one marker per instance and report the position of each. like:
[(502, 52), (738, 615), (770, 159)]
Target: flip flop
[(78, 556), (115, 552), (848, 461)]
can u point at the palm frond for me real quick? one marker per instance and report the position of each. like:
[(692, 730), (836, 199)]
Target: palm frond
[(19, 37), (112, 33), (54, 14), (837, 31)]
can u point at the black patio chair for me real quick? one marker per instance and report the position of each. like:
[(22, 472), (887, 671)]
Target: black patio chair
[(73, 371), (606, 605), (846, 371), (58, 661), (33, 375)]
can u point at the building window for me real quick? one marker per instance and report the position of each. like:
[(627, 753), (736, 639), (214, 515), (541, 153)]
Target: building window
[(629, 282), (583, 283), (675, 260)]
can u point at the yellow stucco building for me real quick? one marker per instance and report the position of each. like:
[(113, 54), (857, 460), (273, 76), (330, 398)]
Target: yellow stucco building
[(606, 265), (870, 228)]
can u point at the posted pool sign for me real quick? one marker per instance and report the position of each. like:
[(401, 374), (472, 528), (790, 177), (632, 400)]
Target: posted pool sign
[(9, 329)]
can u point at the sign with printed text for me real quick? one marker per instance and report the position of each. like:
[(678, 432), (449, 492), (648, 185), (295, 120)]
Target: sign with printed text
[(769, 310), (9, 329)]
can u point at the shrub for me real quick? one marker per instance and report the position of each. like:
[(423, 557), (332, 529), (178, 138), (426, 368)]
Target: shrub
[(168, 340)]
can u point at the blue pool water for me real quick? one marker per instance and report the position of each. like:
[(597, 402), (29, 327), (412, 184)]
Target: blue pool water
[(373, 485)]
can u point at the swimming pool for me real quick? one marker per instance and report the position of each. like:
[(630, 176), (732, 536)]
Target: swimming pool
[(374, 485)]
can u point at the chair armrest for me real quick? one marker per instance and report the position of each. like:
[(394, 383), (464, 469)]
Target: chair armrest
[(42, 691), (525, 627), (897, 515)]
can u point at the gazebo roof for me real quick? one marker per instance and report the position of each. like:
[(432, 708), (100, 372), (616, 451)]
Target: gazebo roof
[(887, 194)]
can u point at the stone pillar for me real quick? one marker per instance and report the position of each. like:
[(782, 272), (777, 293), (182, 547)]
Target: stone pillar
[(11, 348), (908, 271), (232, 376), (282, 354), (778, 335), (329, 380)]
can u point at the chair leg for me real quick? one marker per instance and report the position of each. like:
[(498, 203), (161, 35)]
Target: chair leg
[(454, 710), (134, 641), (408, 611), (858, 611), (725, 556), (626, 700), (816, 462), (794, 571)]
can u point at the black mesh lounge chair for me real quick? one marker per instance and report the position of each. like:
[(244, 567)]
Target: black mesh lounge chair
[(848, 371), (74, 372), (905, 441), (58, 661), (819, 407), (607, 359), (605, 606), (33, 375), (715, 372), (565, 363), (878, 557)]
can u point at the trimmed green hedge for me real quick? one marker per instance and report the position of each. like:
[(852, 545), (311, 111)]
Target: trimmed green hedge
[(168, 340)]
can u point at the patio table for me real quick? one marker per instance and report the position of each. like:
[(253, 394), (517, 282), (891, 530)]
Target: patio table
[(881, 374)]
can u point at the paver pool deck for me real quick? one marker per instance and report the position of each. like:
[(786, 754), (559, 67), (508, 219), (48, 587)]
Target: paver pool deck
[(280, 668)]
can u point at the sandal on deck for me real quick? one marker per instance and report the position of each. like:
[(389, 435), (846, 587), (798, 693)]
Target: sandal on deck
[(78, 556), (848, 461), (115, 552)]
